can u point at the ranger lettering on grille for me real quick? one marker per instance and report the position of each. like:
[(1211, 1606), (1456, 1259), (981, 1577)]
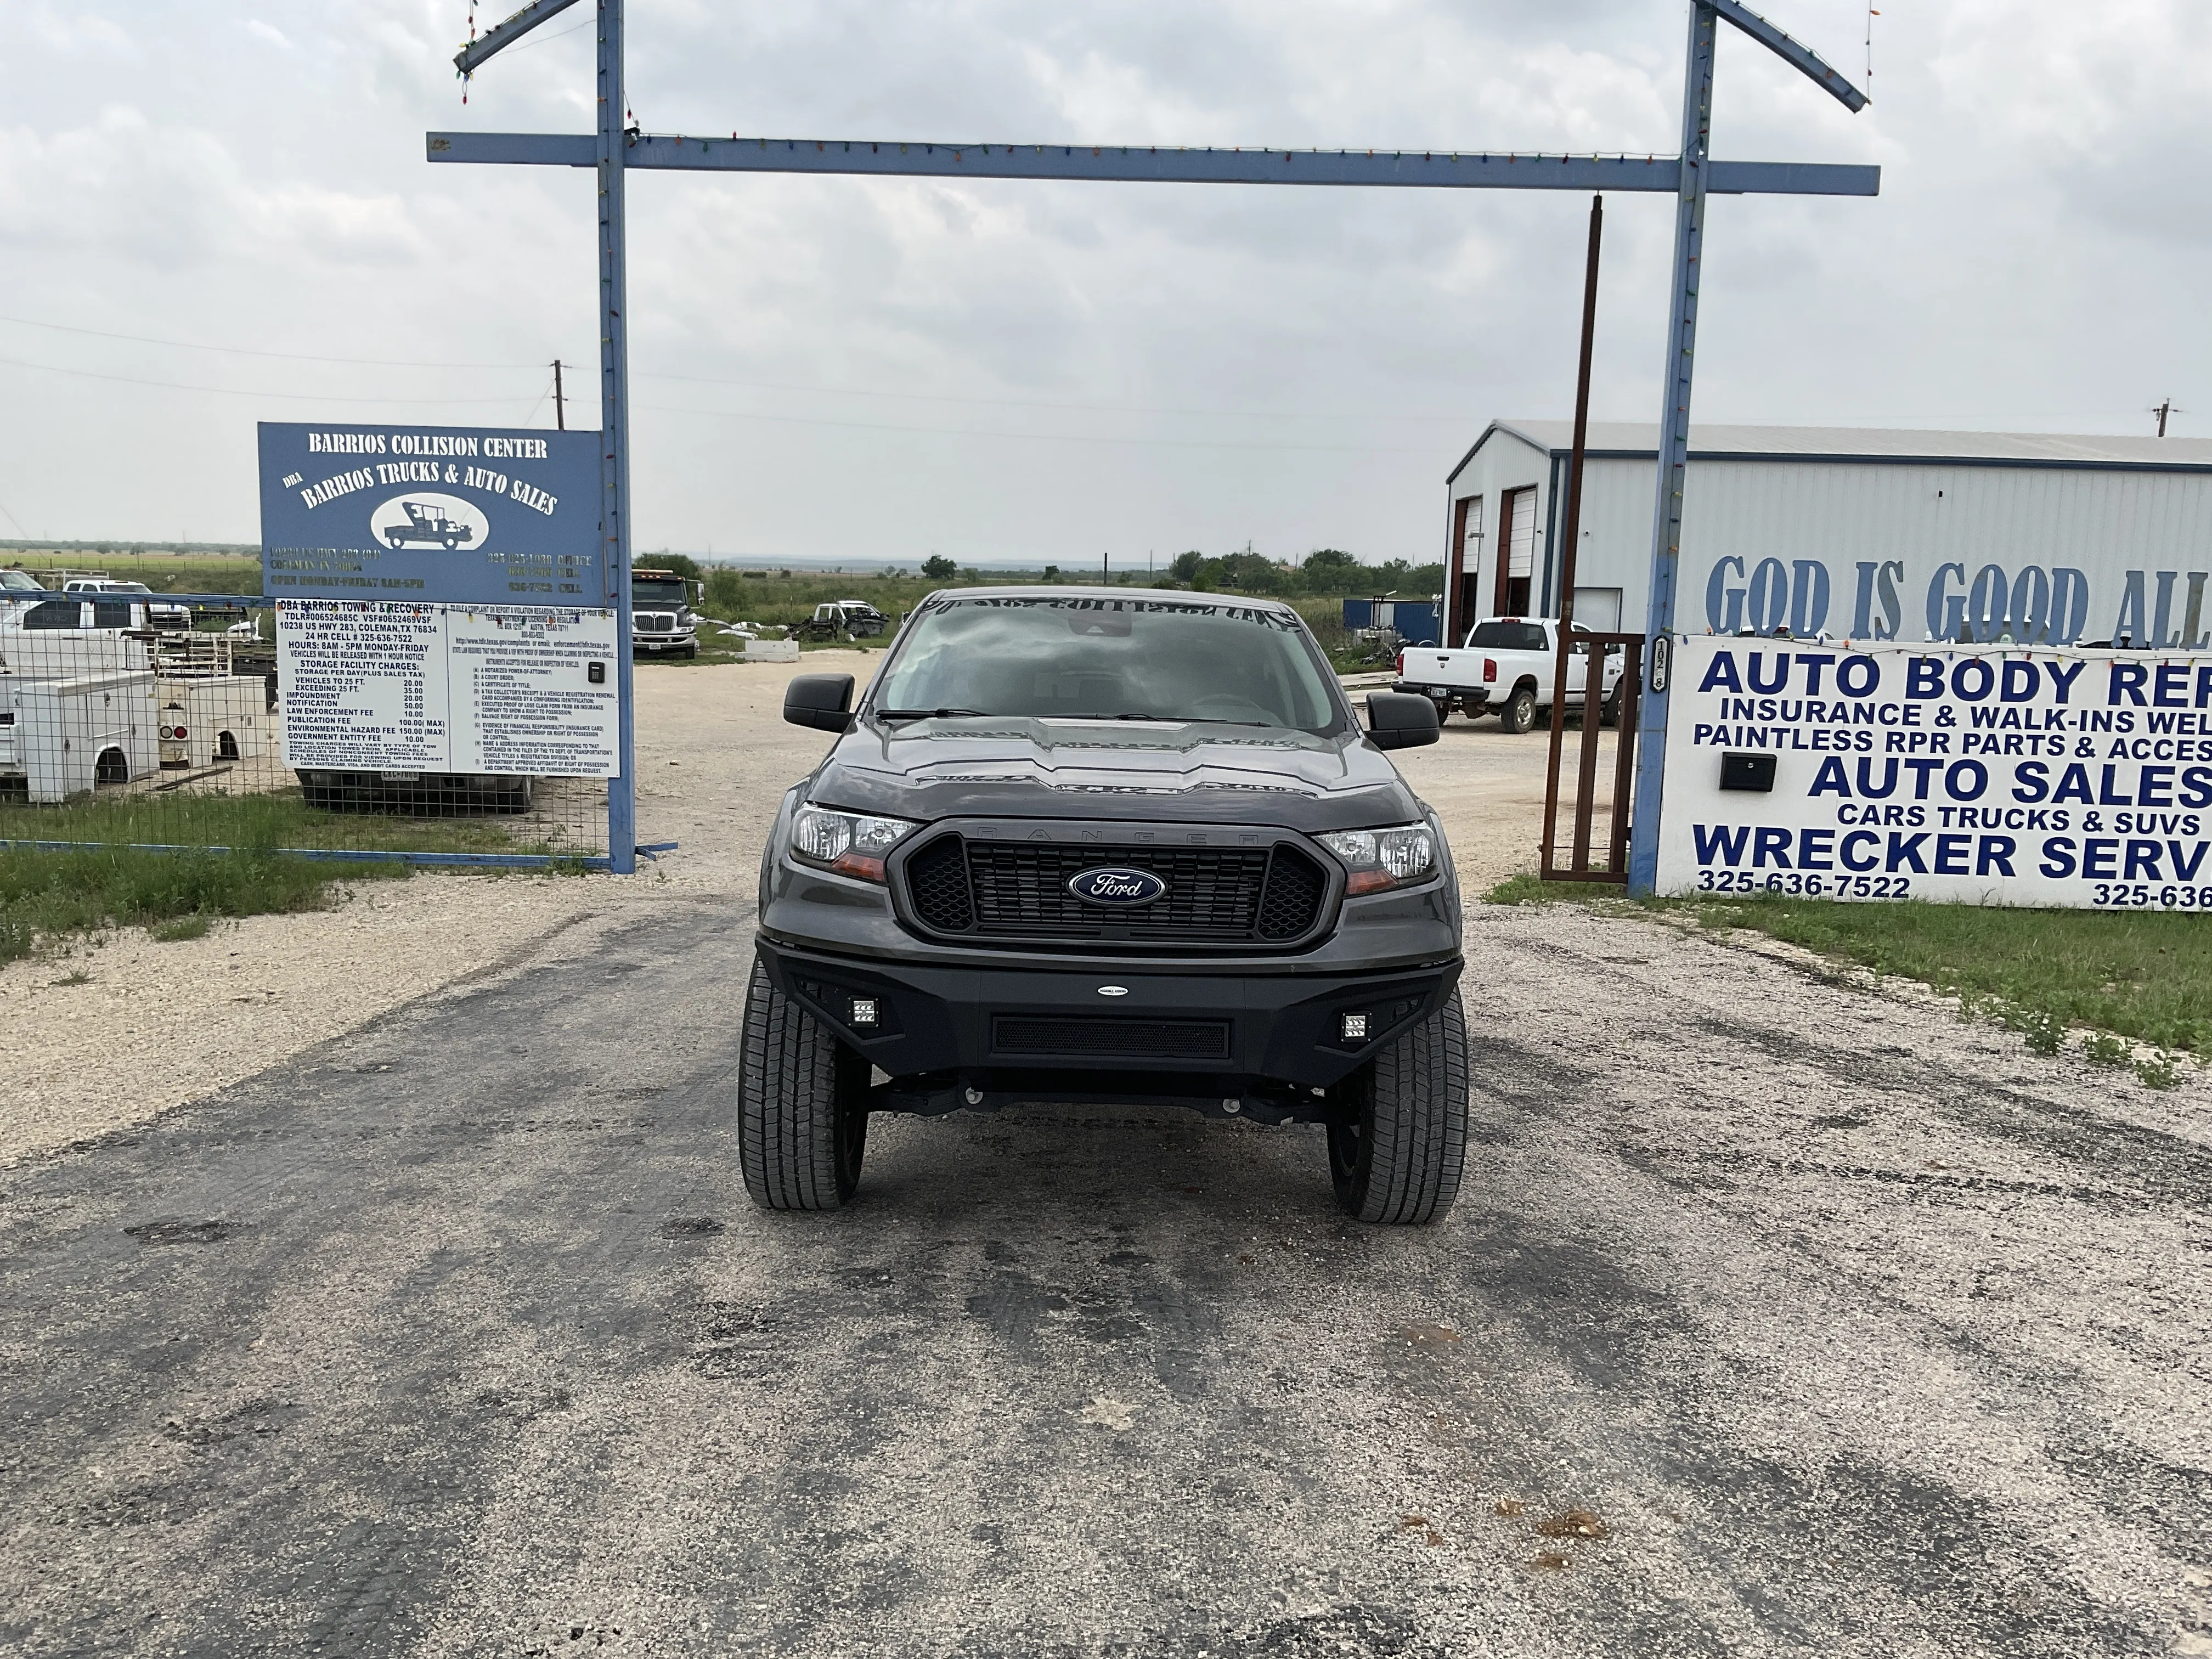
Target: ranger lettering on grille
[(1098, 846)]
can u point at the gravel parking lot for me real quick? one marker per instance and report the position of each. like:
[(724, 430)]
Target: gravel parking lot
[(1777, 1316)]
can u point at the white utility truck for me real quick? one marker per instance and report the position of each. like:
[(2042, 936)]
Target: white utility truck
[(1508, 667)]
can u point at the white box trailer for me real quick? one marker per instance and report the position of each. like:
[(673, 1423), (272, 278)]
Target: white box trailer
[(64, 735), (203, 722)]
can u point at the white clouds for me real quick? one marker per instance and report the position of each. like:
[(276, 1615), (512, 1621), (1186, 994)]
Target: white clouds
[(123, 188), (218, 176), (74, 33)]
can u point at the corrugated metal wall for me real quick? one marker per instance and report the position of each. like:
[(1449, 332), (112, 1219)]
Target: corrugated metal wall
[(1868, 546)]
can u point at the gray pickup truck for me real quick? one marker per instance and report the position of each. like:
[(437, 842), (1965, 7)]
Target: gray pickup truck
[(1107, 845)]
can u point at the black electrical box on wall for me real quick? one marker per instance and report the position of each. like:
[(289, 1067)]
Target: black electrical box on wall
[(1752, 772)]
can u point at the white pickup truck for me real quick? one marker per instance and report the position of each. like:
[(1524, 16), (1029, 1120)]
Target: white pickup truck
[(1507, 668)]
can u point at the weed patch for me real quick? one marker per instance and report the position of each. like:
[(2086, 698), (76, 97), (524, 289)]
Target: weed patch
[(2132, 979), (47, 895)]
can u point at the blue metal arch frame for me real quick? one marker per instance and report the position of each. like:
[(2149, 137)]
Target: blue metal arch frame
[(1691, 176)]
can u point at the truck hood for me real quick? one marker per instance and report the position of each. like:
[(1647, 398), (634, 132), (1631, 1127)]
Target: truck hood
[(1025, 768)]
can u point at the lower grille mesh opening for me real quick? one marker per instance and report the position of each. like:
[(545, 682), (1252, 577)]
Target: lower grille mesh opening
[(1111, 1039)]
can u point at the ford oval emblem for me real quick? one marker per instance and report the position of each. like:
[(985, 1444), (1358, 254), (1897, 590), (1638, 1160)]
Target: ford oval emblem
[(1110, 885)]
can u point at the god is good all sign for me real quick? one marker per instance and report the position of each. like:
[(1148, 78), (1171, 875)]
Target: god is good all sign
[(1990, 775)]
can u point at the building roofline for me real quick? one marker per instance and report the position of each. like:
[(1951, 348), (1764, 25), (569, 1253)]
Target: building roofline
[(1881, 446)]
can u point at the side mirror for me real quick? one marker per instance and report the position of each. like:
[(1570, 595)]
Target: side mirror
[(1400, 720), (824, 702)]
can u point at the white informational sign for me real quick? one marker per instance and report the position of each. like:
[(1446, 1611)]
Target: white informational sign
[(383, 685), (1983, 774)]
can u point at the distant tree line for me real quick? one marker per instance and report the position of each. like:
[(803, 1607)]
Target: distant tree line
[(1326, 571)]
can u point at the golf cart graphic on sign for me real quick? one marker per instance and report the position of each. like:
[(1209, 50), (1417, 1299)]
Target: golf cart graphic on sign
[(417, 521)]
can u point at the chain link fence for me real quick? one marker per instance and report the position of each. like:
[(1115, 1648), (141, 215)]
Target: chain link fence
[(142, 719)]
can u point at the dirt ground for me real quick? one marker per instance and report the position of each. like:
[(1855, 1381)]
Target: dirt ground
[(153, 1026), (1776, 1318), (408, 1303)]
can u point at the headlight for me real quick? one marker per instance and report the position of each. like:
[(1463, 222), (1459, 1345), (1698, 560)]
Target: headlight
[(1384, 858), (851, 843)]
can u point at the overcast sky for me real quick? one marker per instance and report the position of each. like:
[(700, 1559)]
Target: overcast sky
[(1020, 372)]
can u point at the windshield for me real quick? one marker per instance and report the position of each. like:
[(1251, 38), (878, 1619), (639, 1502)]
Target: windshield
[(1496, 635), (20, 581), (666, 594), (1145, 659)]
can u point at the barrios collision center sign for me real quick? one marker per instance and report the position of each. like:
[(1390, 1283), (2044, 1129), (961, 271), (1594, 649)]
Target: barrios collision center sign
[(443, 514), (1991, 775)]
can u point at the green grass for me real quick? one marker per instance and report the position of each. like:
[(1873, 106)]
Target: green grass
[(45, 896), (261, 823), (2131, 979), (191, 573)]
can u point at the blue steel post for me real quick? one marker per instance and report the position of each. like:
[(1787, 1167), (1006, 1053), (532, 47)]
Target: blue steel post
[(1674, 454), (614, 431)]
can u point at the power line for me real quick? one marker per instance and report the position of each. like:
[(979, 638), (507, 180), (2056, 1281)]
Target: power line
[(1040, 437), (525, 46), (754, 386), (232, 392), (1023, 402), (248, 352), (540, 404)]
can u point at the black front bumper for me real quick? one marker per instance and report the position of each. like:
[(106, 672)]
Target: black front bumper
[(1264, 1045)]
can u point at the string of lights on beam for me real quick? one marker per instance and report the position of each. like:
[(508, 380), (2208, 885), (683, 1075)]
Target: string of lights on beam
[(1410, 168)]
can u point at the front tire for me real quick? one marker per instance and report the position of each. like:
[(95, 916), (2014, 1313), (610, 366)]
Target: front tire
[(1399, 1164), (802, 1109), (1519, 715)]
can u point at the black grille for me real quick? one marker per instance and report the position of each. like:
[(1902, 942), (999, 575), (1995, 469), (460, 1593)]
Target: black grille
[(936, 877), (1291, 898), (1018, 890), (1112, 1039)]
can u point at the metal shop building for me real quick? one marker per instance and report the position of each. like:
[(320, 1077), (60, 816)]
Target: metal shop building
[(1856, 532)]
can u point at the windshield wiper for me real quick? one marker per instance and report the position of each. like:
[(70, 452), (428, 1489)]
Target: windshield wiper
[(926, 714)]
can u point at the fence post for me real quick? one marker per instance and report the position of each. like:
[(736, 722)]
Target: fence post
[(614, 431)]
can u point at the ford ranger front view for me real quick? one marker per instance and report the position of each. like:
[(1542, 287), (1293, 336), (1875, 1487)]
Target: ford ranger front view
[(1107, 846)]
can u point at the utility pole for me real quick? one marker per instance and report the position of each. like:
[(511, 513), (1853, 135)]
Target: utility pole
[(1570, 533), (559, 414), (1104, 581), (2162, 411)]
